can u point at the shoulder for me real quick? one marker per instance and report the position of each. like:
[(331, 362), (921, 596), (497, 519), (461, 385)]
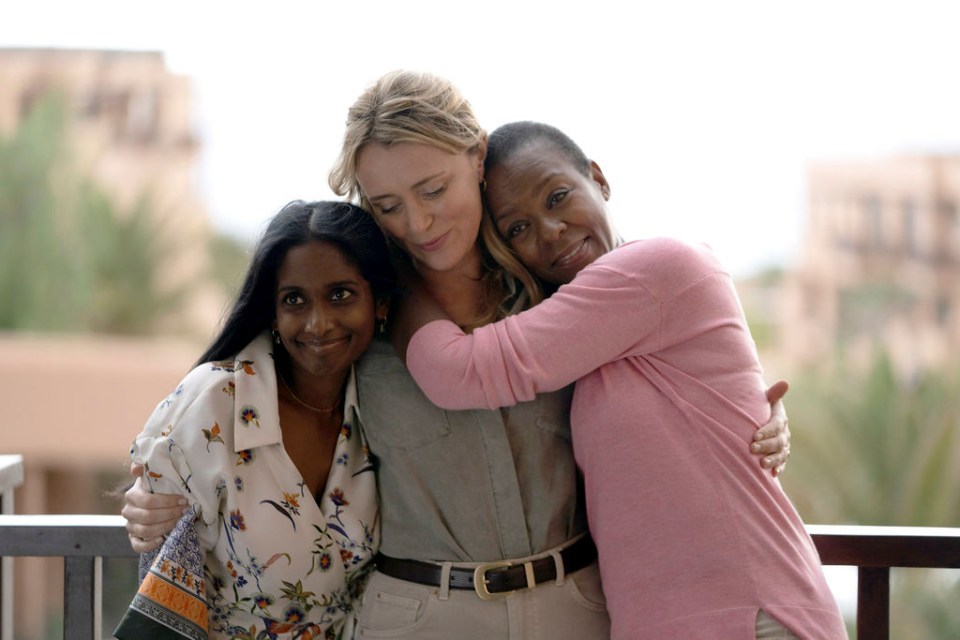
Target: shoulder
[(662, 266), (662, 255), (210, 389), (379, 358), (653, 251)]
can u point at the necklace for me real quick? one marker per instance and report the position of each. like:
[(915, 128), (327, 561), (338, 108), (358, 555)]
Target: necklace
[(301, 402)]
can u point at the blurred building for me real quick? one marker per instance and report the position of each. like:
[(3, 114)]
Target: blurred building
[(131, 121), (73, 403), (880, 265)]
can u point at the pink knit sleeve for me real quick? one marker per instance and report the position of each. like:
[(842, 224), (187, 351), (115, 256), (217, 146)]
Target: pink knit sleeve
[(605, 314)]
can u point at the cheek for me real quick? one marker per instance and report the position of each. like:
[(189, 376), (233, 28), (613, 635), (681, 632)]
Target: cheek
[(392, 226), (531, 258)]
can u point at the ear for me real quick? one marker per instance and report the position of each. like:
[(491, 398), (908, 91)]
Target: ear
[(382, 308), (597, 176)]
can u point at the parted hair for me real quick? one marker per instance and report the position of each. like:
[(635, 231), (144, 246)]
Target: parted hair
[(297, 223), (411, 106)]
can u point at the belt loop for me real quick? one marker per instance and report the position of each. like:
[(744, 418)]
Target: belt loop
[(445, 580), (558, 563)]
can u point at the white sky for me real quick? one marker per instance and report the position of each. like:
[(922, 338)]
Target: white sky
[(702, 113)]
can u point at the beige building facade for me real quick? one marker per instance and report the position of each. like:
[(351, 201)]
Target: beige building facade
[(132, 128), (73, 403), (880, 265)]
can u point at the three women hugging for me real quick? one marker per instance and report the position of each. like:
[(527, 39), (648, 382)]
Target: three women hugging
[(501, 422)]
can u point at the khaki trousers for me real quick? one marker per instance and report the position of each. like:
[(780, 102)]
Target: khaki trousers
[(574, 609), (769, 629)]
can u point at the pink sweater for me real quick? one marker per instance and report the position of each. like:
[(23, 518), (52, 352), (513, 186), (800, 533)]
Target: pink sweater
[(693, 536)]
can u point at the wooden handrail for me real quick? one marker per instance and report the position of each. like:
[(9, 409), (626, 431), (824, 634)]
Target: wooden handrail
[(874, 550), (82, 540), (11, 477)]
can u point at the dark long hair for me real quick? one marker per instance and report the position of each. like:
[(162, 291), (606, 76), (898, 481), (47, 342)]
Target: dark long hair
[(349, 227)]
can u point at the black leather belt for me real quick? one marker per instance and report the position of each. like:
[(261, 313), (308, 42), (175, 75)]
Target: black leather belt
[(492, 579)]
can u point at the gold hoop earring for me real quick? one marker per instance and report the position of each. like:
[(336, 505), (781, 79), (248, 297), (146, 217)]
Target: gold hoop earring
[(483, 186), (276, 336)]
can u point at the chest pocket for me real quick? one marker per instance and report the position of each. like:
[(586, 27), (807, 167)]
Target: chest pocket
[(394, 411)]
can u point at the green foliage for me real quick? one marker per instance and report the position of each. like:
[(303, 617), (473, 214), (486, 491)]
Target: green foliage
[(69, 260), (229, 258), (871, 448)]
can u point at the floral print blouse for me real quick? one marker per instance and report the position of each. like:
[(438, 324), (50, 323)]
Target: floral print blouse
[(278, 562)]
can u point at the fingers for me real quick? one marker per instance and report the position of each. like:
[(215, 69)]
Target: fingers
[(777, 426), (141, 545), (777, 390), (150, 516), (775, 462), (772, 444)]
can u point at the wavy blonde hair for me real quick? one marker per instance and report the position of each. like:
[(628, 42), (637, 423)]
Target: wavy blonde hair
[(410, 106)]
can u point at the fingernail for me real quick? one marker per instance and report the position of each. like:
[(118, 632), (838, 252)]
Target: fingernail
[(182, 501), (768, 461), (755, 447)]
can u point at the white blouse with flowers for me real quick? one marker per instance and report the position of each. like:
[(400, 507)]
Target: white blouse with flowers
[(277, 559)]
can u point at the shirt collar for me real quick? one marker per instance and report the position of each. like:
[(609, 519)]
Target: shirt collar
[(256, 409)]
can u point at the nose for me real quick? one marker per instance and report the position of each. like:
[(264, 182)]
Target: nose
[(419, 218), (318, 319), (552, 228)]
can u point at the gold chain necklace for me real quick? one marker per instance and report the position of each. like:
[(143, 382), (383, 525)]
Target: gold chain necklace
[(312, 408)]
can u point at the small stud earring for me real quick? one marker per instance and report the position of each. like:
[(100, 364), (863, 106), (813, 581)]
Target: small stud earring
[(276, 336)]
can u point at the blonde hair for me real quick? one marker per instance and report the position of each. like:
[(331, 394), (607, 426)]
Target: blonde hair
[(410, 106)]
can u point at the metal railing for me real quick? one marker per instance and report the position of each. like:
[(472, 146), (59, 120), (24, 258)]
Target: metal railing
[(11, 477), (82, 541), (874, 551)]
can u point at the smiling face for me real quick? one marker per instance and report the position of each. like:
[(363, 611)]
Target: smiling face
[(552, 215), (426, 199), (325, 310)]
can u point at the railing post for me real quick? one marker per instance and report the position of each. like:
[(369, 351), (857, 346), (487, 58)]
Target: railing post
[(873, 603), (82, 583), (11, 477)]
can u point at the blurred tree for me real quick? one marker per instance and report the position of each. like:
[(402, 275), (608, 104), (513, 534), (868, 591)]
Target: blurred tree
[(69, 260), (228, 257), (871, 448), (874, 449)]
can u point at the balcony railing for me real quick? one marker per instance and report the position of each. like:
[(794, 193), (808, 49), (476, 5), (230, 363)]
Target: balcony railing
[(83, 540)]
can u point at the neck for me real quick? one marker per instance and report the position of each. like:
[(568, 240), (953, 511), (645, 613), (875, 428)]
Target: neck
[(321, 394), (459, 291)]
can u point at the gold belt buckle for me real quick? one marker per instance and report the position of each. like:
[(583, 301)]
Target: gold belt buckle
[(480, 580)]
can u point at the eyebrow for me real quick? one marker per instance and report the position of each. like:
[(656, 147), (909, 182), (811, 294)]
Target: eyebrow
[(328, 285), (535, 190), (417, 185)]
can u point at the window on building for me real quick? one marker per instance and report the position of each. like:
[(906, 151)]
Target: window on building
[(873, 221), (142, 114), (910, 243), (942, 311), (951, 230)]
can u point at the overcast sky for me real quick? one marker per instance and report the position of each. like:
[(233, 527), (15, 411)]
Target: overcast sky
[(703, 114)]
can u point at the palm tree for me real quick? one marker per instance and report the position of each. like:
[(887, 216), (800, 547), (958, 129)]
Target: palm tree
[(871, 448)]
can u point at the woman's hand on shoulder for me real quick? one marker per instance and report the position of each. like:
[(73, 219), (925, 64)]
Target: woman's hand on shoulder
[(149, 516), (772, 440)]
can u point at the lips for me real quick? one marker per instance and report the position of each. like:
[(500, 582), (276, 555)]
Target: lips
[(571, 255), (434, 244), (321, 347)]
